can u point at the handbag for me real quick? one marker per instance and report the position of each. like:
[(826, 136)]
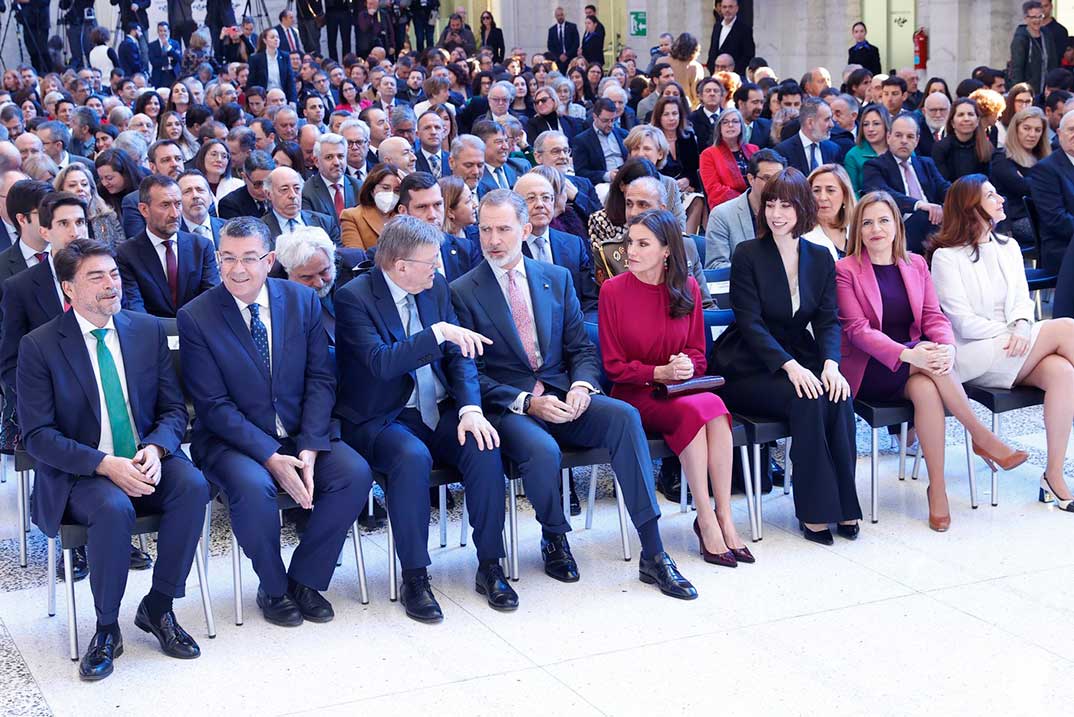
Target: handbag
[(611, 255), (674, 389)]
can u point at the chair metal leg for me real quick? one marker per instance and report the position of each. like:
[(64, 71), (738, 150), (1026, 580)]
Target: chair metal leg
[(682, 491), (565, 489), (3, 468), (1037, 308), (747, 483), (21, 480), (513, 523), (970, 469), (902, 450), (141, 543), (757, 486), (591, 499), (443, 516), (393, 575), (622, 521), (369, 504), (69, 589), (51, 577), (464, 528), (787, 466), (26, 501), (359, 561), (203, 584), (995, 476), (236, 577), (917, 462), (873, 460), (205, 537)]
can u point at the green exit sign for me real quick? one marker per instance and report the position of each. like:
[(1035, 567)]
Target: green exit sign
[(639, 23)]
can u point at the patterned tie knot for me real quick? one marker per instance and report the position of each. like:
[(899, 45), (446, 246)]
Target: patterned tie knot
[(41, 256), (254, 309), (168, 244)]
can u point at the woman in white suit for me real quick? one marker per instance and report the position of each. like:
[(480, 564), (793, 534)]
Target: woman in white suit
[(980, 281)]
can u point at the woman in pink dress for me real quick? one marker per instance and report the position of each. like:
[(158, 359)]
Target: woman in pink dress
[(652, 330)]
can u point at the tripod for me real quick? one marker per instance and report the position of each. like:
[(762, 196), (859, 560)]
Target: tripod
[(18, 34), (260, 14)]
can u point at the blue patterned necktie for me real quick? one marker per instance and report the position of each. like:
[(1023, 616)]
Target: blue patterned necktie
[(259, 334), (430, 414)]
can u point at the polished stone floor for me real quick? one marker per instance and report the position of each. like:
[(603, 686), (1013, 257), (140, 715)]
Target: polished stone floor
[(904, 621)]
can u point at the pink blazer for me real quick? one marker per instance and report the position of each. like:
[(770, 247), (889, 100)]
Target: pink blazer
[(861, 314)]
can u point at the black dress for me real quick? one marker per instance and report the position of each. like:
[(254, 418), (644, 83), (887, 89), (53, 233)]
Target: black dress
[(880, 383), (956, 159)]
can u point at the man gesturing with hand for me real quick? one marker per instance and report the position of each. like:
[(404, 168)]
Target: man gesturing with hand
[(263, 389), (410, 398)]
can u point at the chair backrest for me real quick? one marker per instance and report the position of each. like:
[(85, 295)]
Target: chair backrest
[(699, 241), (1034, 220), (593, 333), (716, 322)]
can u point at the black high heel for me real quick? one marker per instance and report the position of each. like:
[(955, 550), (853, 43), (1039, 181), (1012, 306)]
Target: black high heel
[(1047, 495)]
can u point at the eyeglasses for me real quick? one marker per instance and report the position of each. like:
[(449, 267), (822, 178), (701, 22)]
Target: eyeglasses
[(356, 142), (426, 263), (248, 262), (542, 100), (560, 151), (1034, 17)]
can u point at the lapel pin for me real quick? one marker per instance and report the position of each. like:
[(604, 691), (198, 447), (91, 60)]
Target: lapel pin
[(546, 286), (454, 251)]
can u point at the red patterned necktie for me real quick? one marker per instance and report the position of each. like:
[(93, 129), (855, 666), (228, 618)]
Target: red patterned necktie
[(524, 325), (173, 271), (339, 199)]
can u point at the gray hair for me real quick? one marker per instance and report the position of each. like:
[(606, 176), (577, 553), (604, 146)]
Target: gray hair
[(297, 248), (285, 108), (512, 125), (543, 137), (717, 135), (355, 122), (501, 198), (850, 101), (57, 130), (119, 115), (402, 236), (401, 114), (655, 185), (242, 227), (328, 138), (610, 85), (509, 86), (466, 141), (810, 108), (133, 143)]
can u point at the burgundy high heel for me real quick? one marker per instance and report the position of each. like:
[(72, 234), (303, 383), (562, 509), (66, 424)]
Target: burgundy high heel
[(727, 560)]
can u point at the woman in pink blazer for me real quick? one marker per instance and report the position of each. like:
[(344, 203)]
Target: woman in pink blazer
[(898, 345), (723, 165)]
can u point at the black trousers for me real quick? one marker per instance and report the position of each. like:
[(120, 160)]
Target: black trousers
[(78, 35), (310, 35), (823, 448), (423, 31), (338, 23)]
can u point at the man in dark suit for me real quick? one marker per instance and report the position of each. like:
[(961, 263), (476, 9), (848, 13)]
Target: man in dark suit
[(552, 149), (423, 404), (844, 123), (1051, 185), (197, 200), (250, 200), (289, 40), (33, 297), (932, 122), (264, 392), (131, 59), (166, 159), (164, 268), (429, 156), (912, 180), (282, 77), (499, 173), (56, 138), (733, 36), (810, 147), (552, 246), (307, 256), (23, 195), (420, 196), (164, 56), (9, 228), (539, 378), (704, 118), (749, 100), (98, 461), (330, 191), (286, 213), (599, 151), (563, 41)]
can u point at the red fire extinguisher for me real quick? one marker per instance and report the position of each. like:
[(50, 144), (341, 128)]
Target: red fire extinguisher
[(921, 49)]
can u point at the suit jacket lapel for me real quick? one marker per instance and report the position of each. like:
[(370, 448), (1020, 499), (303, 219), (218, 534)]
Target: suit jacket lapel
[(230, 311), (77, 355), (495, 304), (871, 288), (47, 298), (279, 325), (775, 269), (147, 254), (540, 297), (386, 305), (134, 357), (805, 268)]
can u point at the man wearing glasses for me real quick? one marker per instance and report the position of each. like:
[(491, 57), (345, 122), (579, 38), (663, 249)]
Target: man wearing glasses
[(1033, 52), (56, 136), (263, 393), (553, 150), (356, 132)]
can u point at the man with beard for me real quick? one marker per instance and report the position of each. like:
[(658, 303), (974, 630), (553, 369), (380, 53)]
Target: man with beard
[(308, 257), (933, 122), (197, 198)]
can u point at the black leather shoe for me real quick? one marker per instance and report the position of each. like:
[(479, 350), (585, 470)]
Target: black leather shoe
[(282, 611), (140, 559), (79, 566), (662, 572), (850, 532), (311, 603), (173, 639), (558, 561), (418, 599), (669, 482), (823, 537), (492, 584), (96, 664)]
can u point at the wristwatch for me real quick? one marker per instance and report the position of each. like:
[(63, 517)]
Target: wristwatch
[(526, 403)]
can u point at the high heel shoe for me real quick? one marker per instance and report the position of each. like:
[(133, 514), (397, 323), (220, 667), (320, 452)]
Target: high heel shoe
[(939, 523), (824, 537), (743, 555), (726, 559), (1047, 495), (1012, 460)]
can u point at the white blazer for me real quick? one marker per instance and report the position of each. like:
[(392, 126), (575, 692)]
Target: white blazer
[(227, 186), (968, 295)]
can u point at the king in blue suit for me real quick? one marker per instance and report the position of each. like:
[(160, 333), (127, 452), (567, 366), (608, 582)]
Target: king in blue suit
[(539, 380), (423, 405), (164, 268), (816, 126), (263, 393), (102, 416)]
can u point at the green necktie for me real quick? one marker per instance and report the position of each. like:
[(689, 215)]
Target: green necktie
[(123, 444)]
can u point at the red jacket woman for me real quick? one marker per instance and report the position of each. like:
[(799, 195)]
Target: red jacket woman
[(723, 165)]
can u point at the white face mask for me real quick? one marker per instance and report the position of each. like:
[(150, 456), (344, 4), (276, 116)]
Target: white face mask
[(385, 201)]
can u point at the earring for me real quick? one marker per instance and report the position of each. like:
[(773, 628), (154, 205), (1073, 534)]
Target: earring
[(665, 262)]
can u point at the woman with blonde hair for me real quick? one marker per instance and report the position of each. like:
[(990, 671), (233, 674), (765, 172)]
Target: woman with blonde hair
[(835, 203), (902, 346), (649, 142), (460, 205), (1027, 144), (77, 179)]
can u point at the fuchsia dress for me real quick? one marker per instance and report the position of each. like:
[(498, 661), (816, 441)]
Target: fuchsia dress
[(637, 334)]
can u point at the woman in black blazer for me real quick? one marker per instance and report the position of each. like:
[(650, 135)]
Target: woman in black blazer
[(1027, 144), (781, 285), (965, 149), (863, 53), (492, 37)]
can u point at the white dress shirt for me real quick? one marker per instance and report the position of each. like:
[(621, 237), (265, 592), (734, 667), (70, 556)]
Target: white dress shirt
[(162, 251), (265, 314), (725, 30), (806, 144), (111, 341), (29, 255), (55, 281), (399, 296), (273, 71)]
